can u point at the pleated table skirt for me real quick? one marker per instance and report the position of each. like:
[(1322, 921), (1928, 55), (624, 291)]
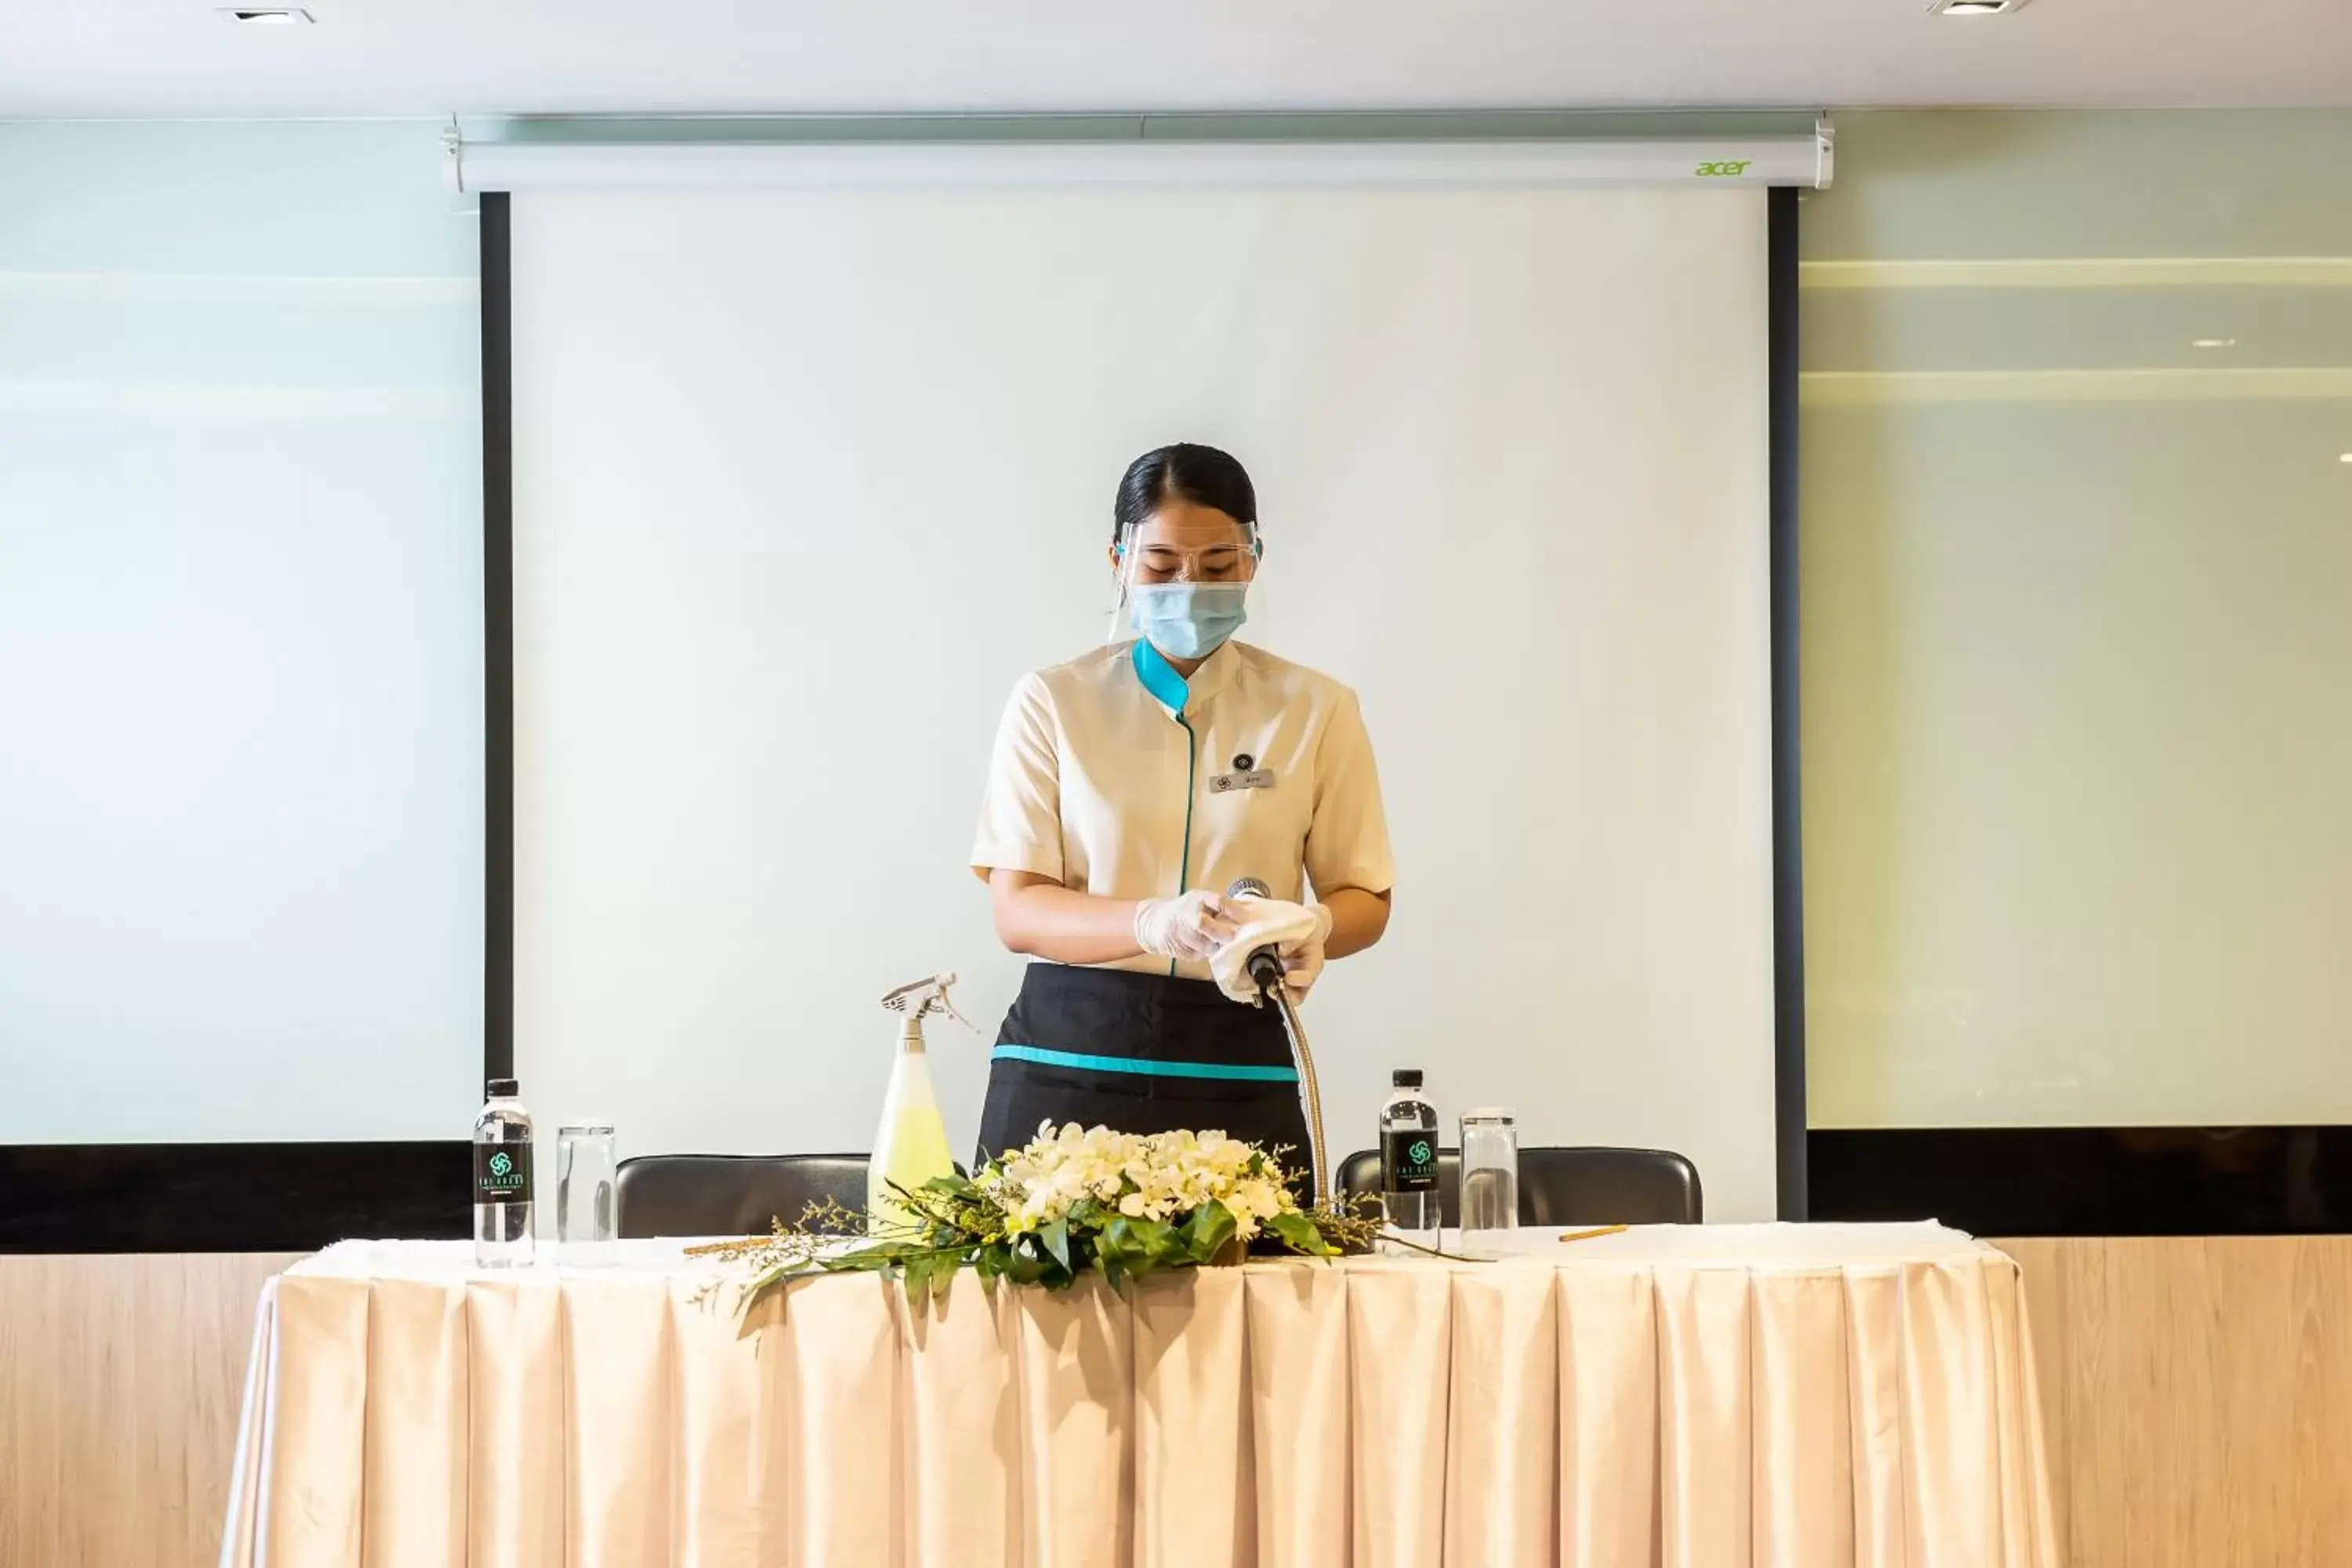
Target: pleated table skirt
[(1718, 1398)]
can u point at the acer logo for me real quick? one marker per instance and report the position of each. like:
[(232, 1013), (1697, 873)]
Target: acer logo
[(1723, 171)]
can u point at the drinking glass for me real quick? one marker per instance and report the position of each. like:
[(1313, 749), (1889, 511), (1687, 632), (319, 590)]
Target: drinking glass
[(584, 1169), (1411, 1211), (1490, 1171)]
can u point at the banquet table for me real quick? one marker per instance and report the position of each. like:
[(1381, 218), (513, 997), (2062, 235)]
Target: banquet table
[(1716, 1397)]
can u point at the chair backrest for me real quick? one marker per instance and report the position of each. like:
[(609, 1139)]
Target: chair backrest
[(1566, 1186), (731, 1195)]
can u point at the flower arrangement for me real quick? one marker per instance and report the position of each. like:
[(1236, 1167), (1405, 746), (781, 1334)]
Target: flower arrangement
[(1119, 1206)]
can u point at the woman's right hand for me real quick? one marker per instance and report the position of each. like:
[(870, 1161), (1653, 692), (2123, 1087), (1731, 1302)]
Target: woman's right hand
[(1192, 926)]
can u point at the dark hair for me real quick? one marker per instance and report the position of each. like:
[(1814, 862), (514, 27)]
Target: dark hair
[(1202, 475)]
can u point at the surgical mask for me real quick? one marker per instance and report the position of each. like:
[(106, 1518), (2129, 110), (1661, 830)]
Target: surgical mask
[(1187, 620)]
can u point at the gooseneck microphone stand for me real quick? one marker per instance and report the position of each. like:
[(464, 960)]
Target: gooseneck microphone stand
[(1265, 970)]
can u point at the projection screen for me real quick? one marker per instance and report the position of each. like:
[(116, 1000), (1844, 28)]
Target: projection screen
[(804, 480)]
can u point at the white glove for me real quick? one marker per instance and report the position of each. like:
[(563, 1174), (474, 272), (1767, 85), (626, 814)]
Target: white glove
[(1302, 966), (1192, 926), (1296, 933)]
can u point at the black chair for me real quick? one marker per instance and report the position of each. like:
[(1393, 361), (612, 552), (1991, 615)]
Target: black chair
[(731, 1195), (1565, 1186)]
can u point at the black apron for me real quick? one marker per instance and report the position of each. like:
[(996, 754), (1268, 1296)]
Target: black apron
[(1141, 1053)]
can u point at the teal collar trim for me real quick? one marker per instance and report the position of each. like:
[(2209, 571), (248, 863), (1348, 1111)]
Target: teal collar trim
[(1085, 1063), (1160, 677)]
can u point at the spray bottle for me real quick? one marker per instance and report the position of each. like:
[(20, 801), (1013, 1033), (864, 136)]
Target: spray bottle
[(911, 1146)]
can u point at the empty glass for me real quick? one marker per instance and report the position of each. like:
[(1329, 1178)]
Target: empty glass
[(1490, 1171), (584, 1168)]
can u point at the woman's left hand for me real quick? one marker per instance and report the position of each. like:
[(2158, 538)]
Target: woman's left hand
[(1302, 961), (1300, 968)]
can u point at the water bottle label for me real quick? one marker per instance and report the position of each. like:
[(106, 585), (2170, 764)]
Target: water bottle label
[(502, 1172), (1408, 1162)]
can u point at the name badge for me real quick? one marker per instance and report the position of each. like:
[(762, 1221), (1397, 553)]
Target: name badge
[(1255, 778)]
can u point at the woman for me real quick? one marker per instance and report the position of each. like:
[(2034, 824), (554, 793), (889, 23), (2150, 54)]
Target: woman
[(1128, 789)]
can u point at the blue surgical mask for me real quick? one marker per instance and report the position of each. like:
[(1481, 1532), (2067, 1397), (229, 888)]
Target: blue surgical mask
[(1187, 620)]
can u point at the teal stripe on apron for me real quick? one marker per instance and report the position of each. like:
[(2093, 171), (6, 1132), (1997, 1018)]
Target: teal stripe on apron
[(1136, 1065)]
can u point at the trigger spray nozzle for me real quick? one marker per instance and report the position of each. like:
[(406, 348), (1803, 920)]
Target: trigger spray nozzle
[(918, 999)]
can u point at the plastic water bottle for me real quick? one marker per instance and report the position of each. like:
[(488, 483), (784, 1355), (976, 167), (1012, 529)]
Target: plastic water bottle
[(502, 1206), (1409, 1156)]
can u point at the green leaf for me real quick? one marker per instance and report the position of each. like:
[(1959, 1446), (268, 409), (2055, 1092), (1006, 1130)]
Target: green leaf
[(1207, 1233), (1056, 1237), (770, 1276), (873, 1262), (923, 1274), (1142, 1244), (939, 1277), (1298, 1232), (1028, 1263), (879, 1256)]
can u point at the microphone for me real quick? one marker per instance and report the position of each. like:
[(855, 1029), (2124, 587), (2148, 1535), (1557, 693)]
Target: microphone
[(1265, 965)]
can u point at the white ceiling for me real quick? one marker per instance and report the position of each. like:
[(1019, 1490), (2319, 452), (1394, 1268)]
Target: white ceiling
[(172, 57)]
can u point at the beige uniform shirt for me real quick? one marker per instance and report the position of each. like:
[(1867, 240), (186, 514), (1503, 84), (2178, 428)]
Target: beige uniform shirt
[(1115, 775)]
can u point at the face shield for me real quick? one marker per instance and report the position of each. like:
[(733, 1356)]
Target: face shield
[(1183, 587)]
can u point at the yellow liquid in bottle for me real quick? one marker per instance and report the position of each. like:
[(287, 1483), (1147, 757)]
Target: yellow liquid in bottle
[(912, 1147)]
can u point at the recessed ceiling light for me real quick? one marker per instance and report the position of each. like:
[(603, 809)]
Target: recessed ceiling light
[(1976, 8), (2344, 457), (2212, 342), (277, 19)]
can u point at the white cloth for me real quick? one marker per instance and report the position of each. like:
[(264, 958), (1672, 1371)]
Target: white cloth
[(1854, 1395), (1263, 923), (1110, 789)]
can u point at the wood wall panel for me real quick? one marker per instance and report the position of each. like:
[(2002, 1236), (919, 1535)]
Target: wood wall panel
[(121, 1380), (2197, 1393)]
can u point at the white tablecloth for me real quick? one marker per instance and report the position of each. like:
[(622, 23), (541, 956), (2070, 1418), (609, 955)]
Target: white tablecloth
[(1732, 1395)]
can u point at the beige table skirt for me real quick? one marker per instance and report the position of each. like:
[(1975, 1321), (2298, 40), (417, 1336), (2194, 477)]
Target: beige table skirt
[(1721, 1397)]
